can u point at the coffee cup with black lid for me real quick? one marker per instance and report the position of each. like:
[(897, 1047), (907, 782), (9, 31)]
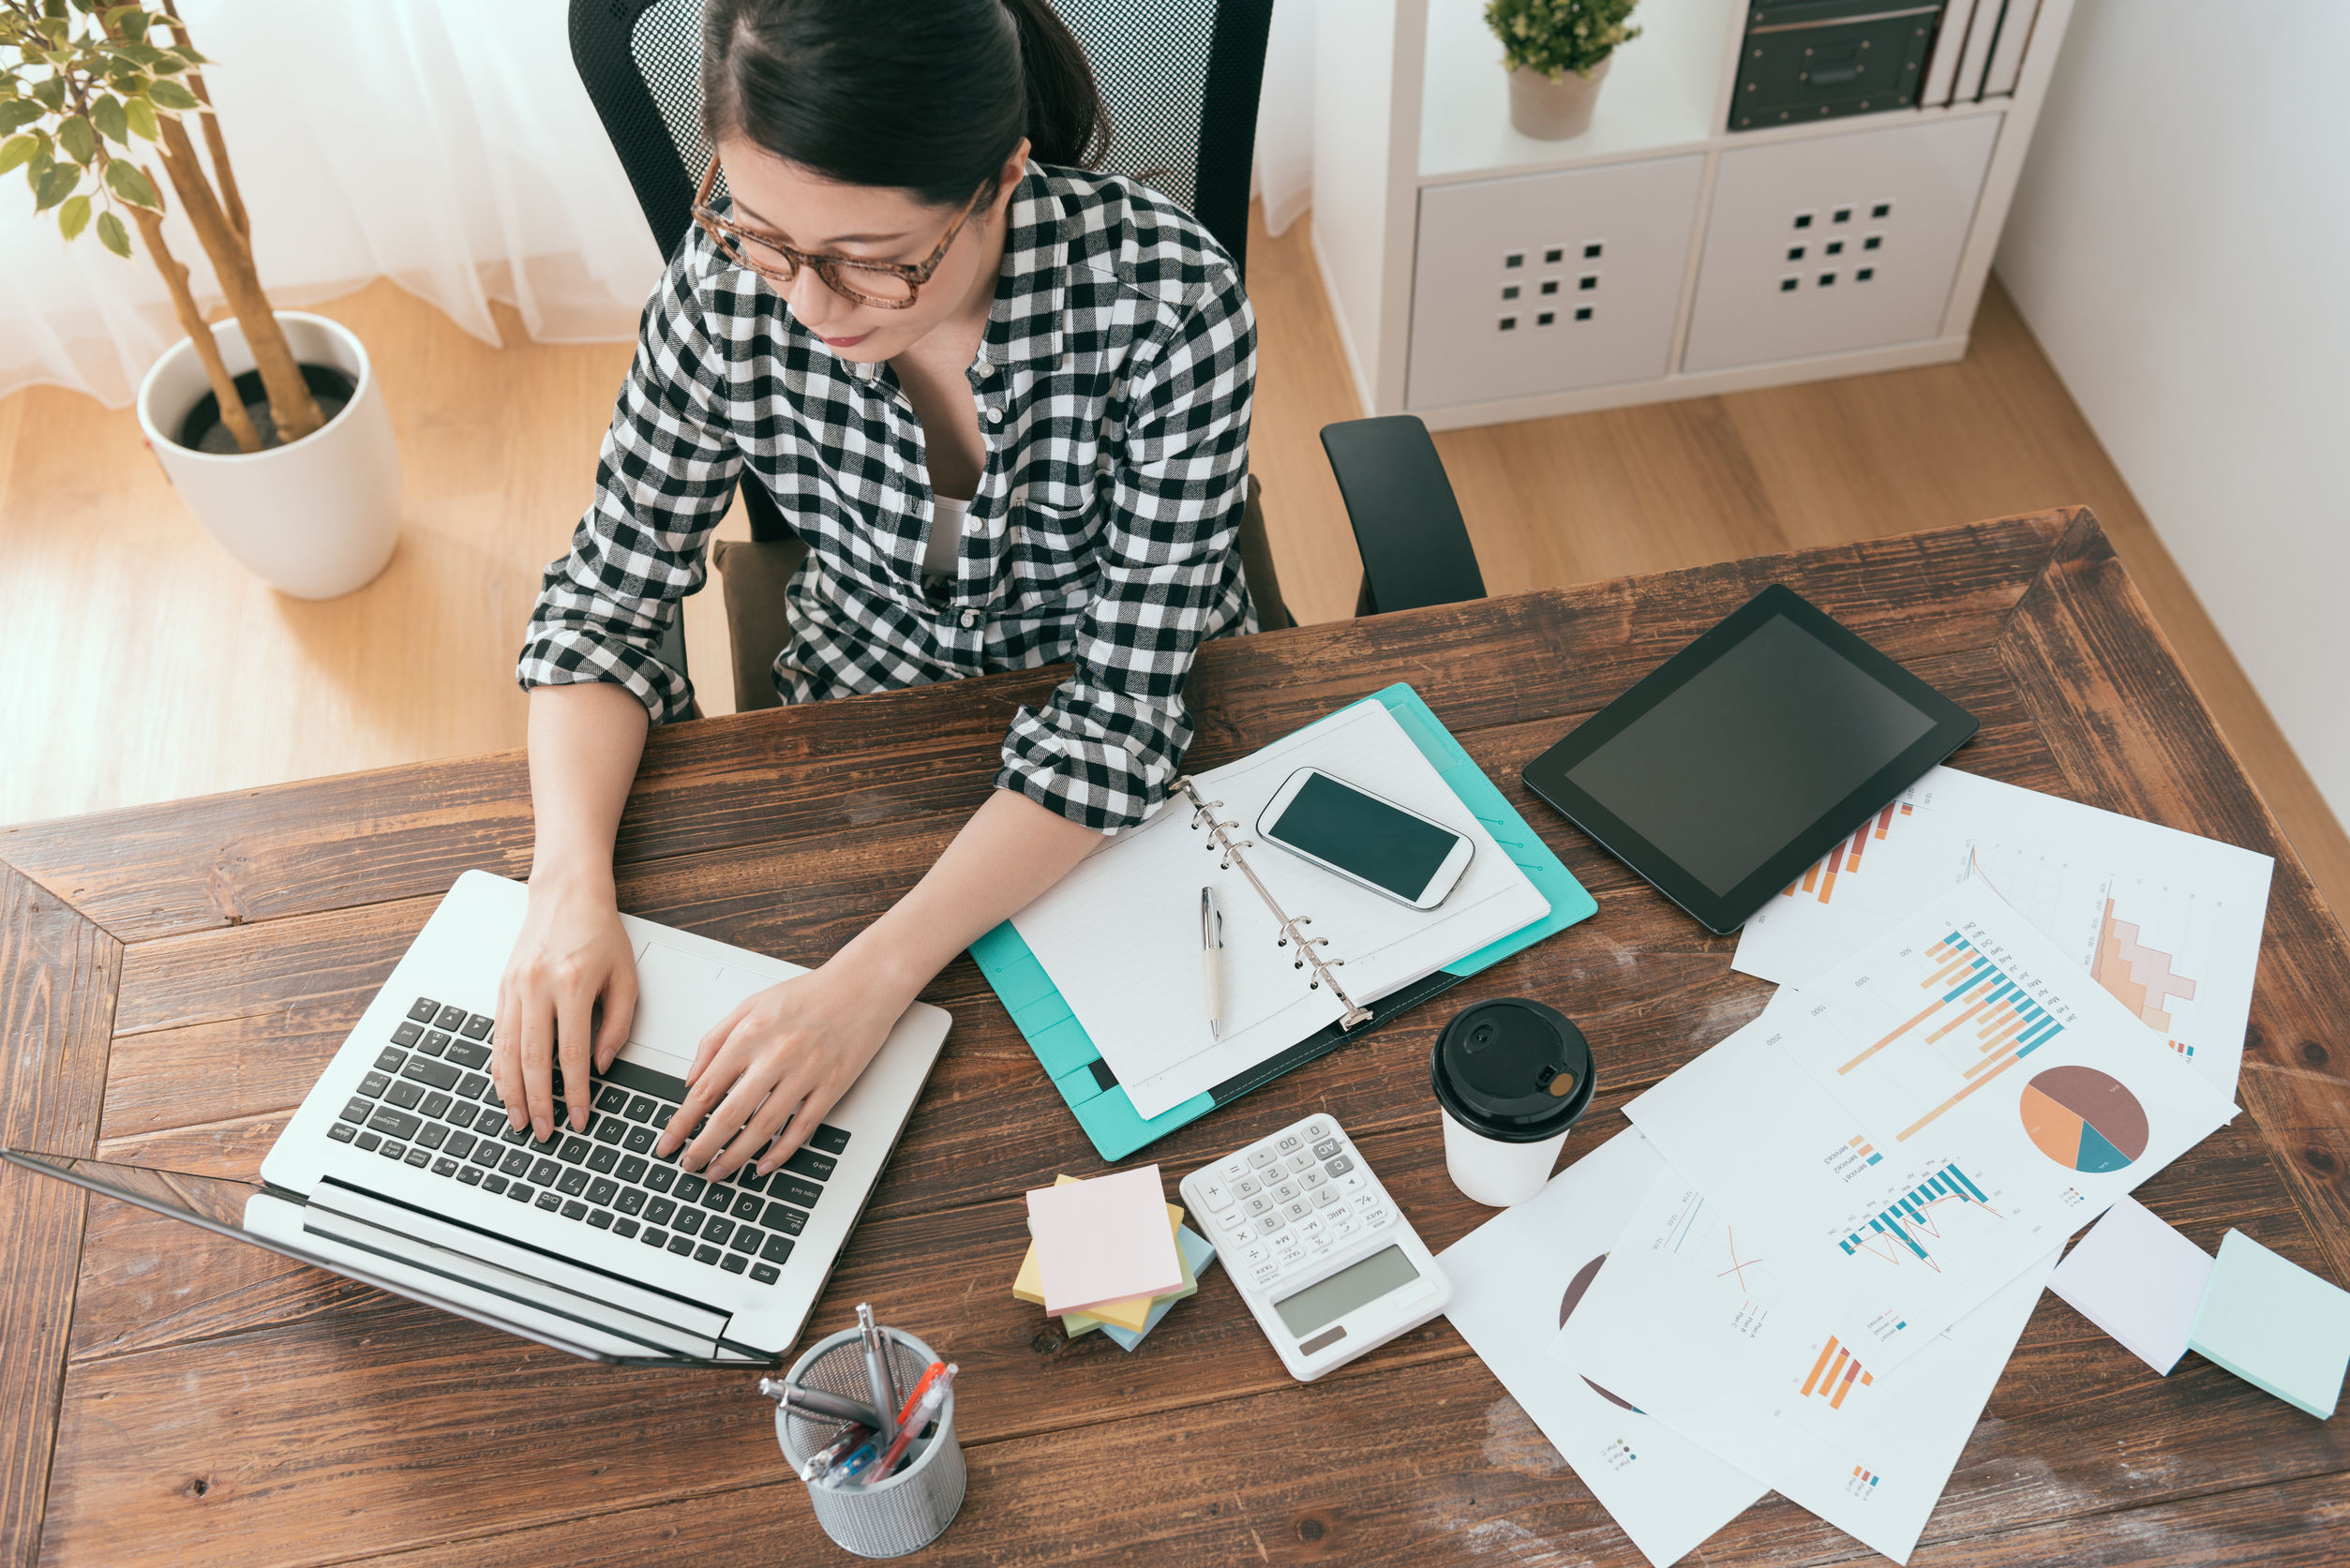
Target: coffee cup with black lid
[(1512, 1077)]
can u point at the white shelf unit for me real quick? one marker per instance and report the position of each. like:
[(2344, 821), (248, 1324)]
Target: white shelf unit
[(1667, 241)]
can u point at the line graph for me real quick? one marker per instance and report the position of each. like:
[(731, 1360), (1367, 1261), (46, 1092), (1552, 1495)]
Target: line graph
[(1900, 1231)]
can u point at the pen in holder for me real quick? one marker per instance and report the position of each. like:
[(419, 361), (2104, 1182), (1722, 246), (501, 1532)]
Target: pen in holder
[(875, 1514)]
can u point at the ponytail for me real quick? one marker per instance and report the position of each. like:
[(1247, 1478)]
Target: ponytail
[(929, 96)]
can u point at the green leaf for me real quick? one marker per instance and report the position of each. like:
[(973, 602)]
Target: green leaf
[(140, 116), (111, 122), (170, 95), (134, 24), (18, 112), (56, 185), (15, 150), (110, 235), (77, 139), (50, 93), (165, 63), (131, 186), (73, 216)]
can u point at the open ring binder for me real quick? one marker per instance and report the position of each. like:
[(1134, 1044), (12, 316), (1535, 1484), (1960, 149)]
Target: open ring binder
[(1220, 837)]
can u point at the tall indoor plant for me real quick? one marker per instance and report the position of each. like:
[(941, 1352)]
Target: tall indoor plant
[(1557, 52), (300, 479)]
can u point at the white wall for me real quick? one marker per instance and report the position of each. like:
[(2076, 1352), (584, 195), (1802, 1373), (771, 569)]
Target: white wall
[(2180, 244)]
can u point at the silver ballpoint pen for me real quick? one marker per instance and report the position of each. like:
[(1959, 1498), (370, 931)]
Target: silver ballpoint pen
[(1212, 959)]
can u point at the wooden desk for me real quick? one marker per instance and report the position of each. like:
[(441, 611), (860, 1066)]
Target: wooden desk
[(175, 977)]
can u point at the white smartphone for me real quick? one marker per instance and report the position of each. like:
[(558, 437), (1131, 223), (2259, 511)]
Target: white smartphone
[(1369, 841)]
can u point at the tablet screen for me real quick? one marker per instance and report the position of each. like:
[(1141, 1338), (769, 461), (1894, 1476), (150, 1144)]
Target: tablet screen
[(1722, 772)]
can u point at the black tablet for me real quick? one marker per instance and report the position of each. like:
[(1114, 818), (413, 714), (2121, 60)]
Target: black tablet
[(1737, 762)]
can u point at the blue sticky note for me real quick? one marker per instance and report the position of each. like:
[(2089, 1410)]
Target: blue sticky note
[(1197, 1255), (2274, 1324)]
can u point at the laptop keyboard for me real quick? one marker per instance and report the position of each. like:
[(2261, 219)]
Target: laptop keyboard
[(428, 1102)]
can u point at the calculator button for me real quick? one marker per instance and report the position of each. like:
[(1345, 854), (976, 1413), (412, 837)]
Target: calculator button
[(1259, 1204), (1300, 1162), (1291, 1256), (1297, 1208), (1271, 1223), (1263, 1158), (1289, 1144), (1325, 1149), (1284, 1192), (1316, 1128), (1311, 1229), (1364, 1201), (1218, 1198), (1378, 1217), (1340, 1166), (1248, 1187), (1264, 1274), (1352, 1185), (1234, 1220), (1312, 1179), (1255, 1252), (1235, 1168), (1323, 1197)]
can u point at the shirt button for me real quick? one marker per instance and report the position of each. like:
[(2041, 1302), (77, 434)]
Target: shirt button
[(970, 618), (994, 417)]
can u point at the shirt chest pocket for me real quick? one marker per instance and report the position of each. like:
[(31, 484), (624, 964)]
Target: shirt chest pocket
[(1058, 481)]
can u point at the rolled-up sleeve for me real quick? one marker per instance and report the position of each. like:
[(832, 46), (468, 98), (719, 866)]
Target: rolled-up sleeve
[(664, 479), (1110, 742)]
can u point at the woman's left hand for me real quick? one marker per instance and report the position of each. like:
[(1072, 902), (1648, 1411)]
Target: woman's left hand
[(780, 1061)]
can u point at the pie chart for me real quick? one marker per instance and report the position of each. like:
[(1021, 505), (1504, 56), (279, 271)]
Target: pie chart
[(2083, 1119), (1574, 1289)]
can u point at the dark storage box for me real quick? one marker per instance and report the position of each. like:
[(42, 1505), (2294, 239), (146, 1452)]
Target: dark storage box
[(1811, 59)]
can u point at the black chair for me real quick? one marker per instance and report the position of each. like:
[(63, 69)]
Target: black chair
[(1180, 79)]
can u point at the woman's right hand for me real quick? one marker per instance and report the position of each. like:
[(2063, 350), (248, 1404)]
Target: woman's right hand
[(572, 956)]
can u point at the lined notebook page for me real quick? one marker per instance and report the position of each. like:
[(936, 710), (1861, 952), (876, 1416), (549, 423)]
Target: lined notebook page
[(1120, 935)]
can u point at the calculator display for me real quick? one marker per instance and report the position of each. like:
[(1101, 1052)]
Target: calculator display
[(1346, 1290)]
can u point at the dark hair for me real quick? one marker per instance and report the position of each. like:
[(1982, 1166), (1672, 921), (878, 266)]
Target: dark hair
[(928, 96)]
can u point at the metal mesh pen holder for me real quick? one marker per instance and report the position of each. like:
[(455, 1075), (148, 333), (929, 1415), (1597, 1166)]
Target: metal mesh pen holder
[(899, 1514)]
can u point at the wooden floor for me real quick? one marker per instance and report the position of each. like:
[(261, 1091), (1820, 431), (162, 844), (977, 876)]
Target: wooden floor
[(140, 663)]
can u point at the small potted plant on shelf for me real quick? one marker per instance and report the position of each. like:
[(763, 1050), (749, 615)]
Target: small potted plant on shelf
[(272, 425), (1557, 52)]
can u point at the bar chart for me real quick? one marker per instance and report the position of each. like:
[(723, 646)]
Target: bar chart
[(1905, 1228), (1832, 1379), (1819, 882), (1969, 992)]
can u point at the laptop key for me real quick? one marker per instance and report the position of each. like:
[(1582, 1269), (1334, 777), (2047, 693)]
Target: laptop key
[(641, 1107), (469, 1175), (493, 1184), (778, 1249), (660, 1177), (609, 1130), (655, 1238), (659, 1210), (747, 1206), (399, 1124), (469, 1054), (424, 1009), (449, 1017), (517, 1161), (575, 1149), (640, 1140), (435, 1104), (573, 1182), (718, 1229), (520, 1193), (485, 1153), (471, 1086), (460, 1144), (601, 1219), (342, 1132), (357, 1109), (632, 1170), (477, 1026), (689, 1186), (424, 1069), (408, 1033), (433, 1044), (809, 1163), (624, 1228), (391, 1150), (550, 1201), (707, 1254), (405, 1094), (612, 1097), (431, 1134), (507, 1134), (688, 1221), (830, 1139), (369, 1140), (604, 1158), (544, 1172), (490, 1096), (631, 1200), (782, 1216), (374, 1084), (573, 1210), (490, 1123), (746, 1240), (792, 1190), (748, 1178), (766, 1273), (718, 1198), (418, 1157), (682, 1246), (444, 1166), (732, 1263), (602, 1190)]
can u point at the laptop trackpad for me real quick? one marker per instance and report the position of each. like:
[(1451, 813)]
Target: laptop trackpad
[(679, 998)]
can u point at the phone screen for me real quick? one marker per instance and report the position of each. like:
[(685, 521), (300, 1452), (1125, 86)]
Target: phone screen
[(1365, 835)]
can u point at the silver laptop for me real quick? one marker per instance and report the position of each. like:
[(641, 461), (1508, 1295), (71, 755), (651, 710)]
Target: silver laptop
[(399, 1168)]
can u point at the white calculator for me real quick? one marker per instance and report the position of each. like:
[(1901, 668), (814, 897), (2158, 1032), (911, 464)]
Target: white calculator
[(1322, 1254)]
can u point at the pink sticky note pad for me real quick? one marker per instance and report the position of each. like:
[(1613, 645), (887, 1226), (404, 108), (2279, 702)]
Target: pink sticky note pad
[(1104, 1240)]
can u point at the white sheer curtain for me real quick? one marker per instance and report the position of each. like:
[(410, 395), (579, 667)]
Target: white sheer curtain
[(445, 145)]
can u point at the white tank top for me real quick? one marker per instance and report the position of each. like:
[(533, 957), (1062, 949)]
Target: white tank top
[(945, 538)]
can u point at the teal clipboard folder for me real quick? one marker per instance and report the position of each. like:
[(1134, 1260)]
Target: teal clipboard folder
[(1085, 1081)]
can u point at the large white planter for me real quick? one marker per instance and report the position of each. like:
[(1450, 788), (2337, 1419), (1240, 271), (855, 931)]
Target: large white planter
[(314, 520)]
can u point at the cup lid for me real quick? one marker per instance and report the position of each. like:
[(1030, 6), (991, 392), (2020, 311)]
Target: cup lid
[(1512, 1069)]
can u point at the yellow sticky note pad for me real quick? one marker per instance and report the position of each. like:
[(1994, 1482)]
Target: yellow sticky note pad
[(1028, 1285)]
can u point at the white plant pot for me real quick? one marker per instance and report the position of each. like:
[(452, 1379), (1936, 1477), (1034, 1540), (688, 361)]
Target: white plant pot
[(1554, 111), (314, 520)]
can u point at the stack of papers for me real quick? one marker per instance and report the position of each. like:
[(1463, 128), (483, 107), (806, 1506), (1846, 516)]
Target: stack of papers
[(2138, 1279), (1100, 1249), (2274, 1324)]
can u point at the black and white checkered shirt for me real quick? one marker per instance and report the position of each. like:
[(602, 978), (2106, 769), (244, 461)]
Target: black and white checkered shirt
[(1114, 387)]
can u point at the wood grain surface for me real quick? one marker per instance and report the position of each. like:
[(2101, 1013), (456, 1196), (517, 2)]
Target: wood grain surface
[(172, 1397)]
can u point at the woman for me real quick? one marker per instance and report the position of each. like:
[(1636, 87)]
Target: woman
[(1004, 400)]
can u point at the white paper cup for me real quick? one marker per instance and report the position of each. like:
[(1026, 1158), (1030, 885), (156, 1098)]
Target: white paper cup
[(1512, 1078)]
